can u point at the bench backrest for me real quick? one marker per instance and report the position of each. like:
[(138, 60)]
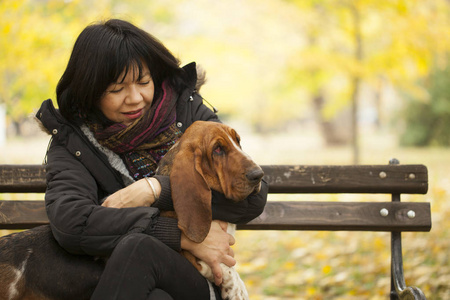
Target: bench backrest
[(278, 215)]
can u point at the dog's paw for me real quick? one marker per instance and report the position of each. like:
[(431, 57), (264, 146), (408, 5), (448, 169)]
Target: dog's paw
[(206, 271), (232, 288)]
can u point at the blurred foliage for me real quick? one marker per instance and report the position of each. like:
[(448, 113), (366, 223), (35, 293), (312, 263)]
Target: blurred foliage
[(265, 58), (400, 40), (427, 121), (36, 38)]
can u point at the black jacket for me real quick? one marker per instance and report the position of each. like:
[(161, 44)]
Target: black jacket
[(81, 173)]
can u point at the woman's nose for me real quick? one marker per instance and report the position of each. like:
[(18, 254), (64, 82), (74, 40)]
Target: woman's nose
[(134, 95)]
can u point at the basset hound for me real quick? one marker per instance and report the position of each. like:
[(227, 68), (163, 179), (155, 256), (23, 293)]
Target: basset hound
[(207, 157)]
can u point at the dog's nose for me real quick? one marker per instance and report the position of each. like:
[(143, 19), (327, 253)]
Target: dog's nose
[(255, 175)]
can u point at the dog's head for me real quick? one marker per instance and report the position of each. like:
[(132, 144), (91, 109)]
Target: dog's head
[(208, 157)]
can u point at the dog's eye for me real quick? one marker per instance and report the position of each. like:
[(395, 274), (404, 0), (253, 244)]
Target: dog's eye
[(218, 150), (238, 139)]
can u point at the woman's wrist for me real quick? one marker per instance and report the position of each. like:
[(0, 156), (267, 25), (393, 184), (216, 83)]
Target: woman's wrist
[(137, 194), (186, 243), (165, 197), (166, 230), (153, 189)]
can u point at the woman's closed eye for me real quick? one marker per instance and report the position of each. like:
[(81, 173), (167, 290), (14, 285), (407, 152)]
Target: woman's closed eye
[(115, 91), (114, 88), (144, 82)]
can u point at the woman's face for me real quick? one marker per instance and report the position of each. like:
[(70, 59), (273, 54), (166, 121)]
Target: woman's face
[(126, 101)]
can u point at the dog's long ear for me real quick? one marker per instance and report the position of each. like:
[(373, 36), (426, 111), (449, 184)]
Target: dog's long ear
[(191, 195)]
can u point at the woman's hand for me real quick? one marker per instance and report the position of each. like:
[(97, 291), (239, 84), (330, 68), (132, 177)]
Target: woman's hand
[(215, 249), (137, 194)]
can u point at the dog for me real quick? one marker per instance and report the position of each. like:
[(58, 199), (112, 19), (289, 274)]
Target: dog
[(207, 157)]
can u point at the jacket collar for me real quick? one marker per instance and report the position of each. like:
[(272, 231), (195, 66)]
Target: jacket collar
[(49, 117), (195, 76)]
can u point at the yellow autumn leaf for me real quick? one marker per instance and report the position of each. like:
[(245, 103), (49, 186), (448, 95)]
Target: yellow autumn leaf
[(380, 243), (326, 269), (289, 265), (311, 291)]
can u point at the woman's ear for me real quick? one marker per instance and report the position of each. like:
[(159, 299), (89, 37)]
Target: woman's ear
[(191, 194)]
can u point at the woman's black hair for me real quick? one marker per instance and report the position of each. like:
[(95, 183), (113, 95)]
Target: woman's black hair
[(100, 55)]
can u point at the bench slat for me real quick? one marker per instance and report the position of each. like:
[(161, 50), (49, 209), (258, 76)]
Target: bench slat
[(335, 216), (22, 179), (20, 214), (402, 179), (278, 215)]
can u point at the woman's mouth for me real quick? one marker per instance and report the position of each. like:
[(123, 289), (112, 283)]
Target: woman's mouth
[(133, 114)]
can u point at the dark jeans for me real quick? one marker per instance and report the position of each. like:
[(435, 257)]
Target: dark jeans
[(142, 267)]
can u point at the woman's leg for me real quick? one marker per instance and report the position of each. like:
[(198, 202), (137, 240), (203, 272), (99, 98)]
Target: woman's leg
[(158, 294), (140, 263)]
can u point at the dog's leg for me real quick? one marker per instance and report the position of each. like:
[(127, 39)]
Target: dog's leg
[(13, 285), (232, 288)]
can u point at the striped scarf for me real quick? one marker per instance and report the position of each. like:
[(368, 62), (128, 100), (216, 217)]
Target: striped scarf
[(145, 142)]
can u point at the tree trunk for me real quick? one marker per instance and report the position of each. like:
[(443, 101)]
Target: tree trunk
[(356, 83), (334, 131)]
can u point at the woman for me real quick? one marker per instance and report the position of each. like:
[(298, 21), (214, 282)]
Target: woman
[(123, 102)]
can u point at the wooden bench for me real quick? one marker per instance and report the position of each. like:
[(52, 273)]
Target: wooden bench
[(391, 216)]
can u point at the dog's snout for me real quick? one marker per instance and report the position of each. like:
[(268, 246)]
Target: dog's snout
[(255, 175)]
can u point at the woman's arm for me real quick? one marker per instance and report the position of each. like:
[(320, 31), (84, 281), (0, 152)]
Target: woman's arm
[(222, 208), (78, 221), (214, 250), (239, 212), (139, 193)]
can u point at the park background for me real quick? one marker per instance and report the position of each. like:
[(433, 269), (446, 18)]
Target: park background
[(303, 82)]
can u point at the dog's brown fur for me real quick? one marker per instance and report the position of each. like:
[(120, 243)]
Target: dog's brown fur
[(208, 157)]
